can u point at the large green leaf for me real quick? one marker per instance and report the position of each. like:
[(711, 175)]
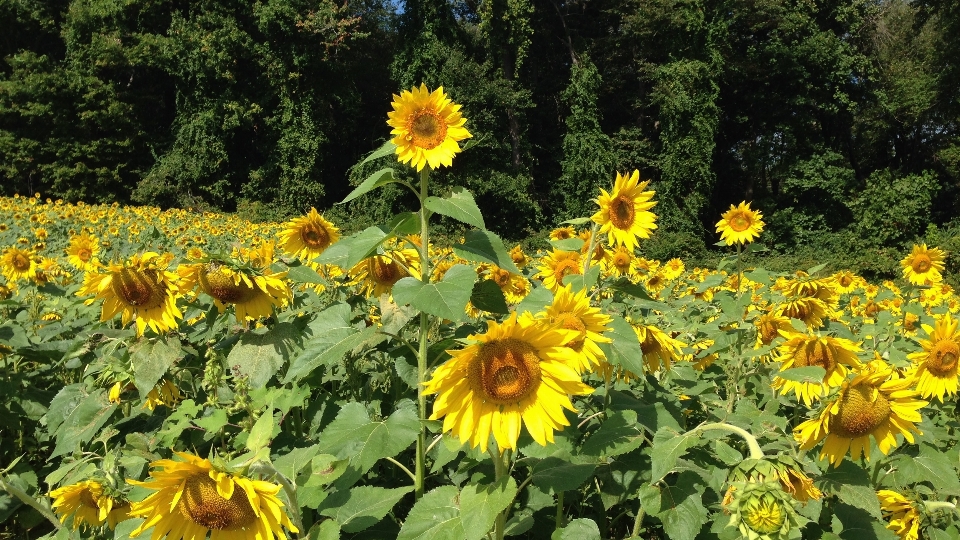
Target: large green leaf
[(446, 299), (347, 252), (578, 529), (262, 431), (375, 180), (806, 374), (83, 420), (852, 485), (261, 353), (361, 507), (619, 434), (488, 296), (560, 475), (668, 446), (624, 348), (436, 516), (484, 246), (481, 503), (679, 507), (537, 301), (459, 205), (151, 358), (333, 337)]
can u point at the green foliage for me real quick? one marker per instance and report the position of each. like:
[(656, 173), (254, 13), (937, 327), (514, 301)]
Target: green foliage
[(894, 209)]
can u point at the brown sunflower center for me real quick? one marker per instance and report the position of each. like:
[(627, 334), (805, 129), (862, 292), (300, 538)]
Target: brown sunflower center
[(943, 358), (816, 353), (650, 344), (137, 288), (621, 261), (871, 309), (20, 262), (569, 321), (768, 332), (565, 268), (766, 517), (501, 277), (223, 287), (845, 281), (739, 222), (202, 504), (384, 271), (84, 254), (427, 129), (622, 212), (921, 263), (862, 409), (315, 236), (505, 371), (86, 499)]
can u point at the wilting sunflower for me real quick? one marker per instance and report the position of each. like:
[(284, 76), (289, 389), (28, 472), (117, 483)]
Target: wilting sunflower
[(253, 292), (82, 252), (624, 214), (769, 325), (935, 367), (834, 355), (572, 311), (811, 311), (18, 264), (164, 393), (376, 275), (90, 503), (192, 498), (141, 288), (876, 402), (740, 224), (426, 127), (558, 265), (308, 236), (923, 266), (518, 371), (659, 349), (902, 515)]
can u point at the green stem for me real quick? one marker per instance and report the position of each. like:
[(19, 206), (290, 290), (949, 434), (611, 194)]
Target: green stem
[(752, 444), (559, 519), (638, 521), (31, 502), (501, 470), (932, 506), (592, 245), (420, 468)]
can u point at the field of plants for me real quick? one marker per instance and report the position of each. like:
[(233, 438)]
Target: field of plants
[(178, 374)]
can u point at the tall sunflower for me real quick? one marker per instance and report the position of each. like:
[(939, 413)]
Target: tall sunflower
[(18, 264), (82, 252), (427, 127), (557, 265), (192, 499), (834, 355), (308, 236), (876, 402), (572, 311), (624, 214), (923, 266), (519, 371), (902, 514), (740, 224), (141, 288), (935, 367), (90, 503)]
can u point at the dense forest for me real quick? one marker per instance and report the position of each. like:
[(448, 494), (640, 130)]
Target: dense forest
[(837, 118)]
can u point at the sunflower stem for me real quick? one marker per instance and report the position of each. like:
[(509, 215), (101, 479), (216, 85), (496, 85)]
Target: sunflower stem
[(559, 519), (592, 245), (501, 470), (418, 480), (638, 521), (30, 501), (932, 506), (752, 444)]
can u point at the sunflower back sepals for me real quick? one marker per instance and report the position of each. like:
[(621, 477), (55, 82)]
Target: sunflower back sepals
[(762, 511)]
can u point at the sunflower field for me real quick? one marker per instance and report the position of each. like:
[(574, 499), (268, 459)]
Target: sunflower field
[(184, 375)]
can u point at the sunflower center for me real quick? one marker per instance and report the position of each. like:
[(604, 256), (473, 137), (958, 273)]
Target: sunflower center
[(204, 506), (739, 222), (569, 321), (83, 254), (622, 212), (21, 262), (225, 289), (501, 278), (86, 498), (622, 262), (315, 236), (846, 281), (505, 371), (921, 263), (817, 353), (765, 518), (384, 271), (943, 358), (136, 288), (768, 332), (427, 129), (565, 268), (862, 409)]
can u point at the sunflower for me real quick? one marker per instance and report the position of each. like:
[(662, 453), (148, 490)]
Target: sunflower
[(558, 265), (192, 499), (519, 370), (935, 367), (624, 214), (376, 275), (141, 288), (811, 311), (18, 264), (762, 511), (563, 233), (82, 252), (769, 325), (846, 281), (740, 224), (572, 311), (876, 402), (164, 393), (308, 236), (923, 266), (515, 287), (659, 349), (253, 293), (518, 257), (834, 355), (426, 127), (90, 504), (621, 264), (902, 515)]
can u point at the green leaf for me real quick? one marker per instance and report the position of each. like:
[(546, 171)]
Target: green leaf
[(859, 524), (583, 281), (291, 463), (436, 516), (151, 358), (806, 374), (680, 507), (488, 296), (446, 299), (852, 485), (83, 421), (327, 529), (668, 446), (361, 507), (459, 205), (535, 302), (261, 353), (481, 503), (304, 274), (931, 466), (560, 475), (619, 434), (388, 149), (262, 431), (578, 529), (347, 252), (375, 180), (624, 347), (333, 337), (576, 221), (214, 421), (568, 244), (404, 223), (484, 246)]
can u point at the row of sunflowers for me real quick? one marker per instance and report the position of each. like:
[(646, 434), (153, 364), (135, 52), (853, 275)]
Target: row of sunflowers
[(187, 375)]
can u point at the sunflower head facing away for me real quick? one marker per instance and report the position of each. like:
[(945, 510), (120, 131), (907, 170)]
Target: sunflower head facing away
[(902, 515), (427, 127), (191, 499), (761, 510), (935, 367), (624, 215), (923, 266), (90, 503), (740, 224)]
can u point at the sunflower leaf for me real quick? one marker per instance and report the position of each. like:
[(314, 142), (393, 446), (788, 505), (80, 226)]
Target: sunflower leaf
[(436, 516), (625, 349), (347, 252), (303, 274), (560, 475), (619, 434), (459, 205), (447, 298), (361, 507), (151, 358), (806, 374), (668, 446), (481, 503), (375, 180), (484, 246), (486, 295), (568, 244), (578, 529)]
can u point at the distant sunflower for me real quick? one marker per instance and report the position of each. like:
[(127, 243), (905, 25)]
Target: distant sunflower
[(834, 355), (515, 287), (90, 504), (141, 288), (308, 236), (935, 367), (18, 264), (518, 257), (82, 252), (624, 214), (519, 371), (847, 281), (378, 274), (191, 499), (811, 311), (923, 266), (740, 224), (557, 265), (427, 127), (876, 402), (902, 514), (621, 264), (563, 233), (572, 311)]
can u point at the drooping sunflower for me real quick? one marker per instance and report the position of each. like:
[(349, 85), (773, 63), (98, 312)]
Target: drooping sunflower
[(769, 325), (192, 499), (923, 266), (164, 393), (902, 514), (515, 287), (810, 310), (935, 367), (834, 355), (82, 251), (659, 349), (740, 224), (90, 504), (572, 311), (519, 371), (558, 265), (625, 214), (762, 511), (876, 402), (141, 288), (427, 127), (308, 236), (253, 292), (376, 275), (18, 264)]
